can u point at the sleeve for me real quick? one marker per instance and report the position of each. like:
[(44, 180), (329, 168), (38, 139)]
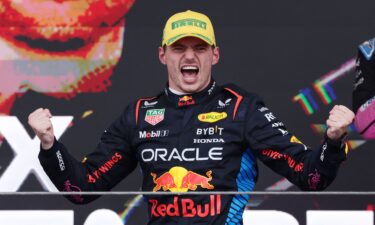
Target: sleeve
[(364, 91), (112, 160), (364, 83), (286, 155)]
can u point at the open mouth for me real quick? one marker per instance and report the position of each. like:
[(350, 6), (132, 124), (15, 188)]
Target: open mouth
[(189, 71), (63, 27), (61, 40), (72, 44)]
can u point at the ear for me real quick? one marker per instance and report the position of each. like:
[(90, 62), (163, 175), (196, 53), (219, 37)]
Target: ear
[(216, 55), (162, 55)]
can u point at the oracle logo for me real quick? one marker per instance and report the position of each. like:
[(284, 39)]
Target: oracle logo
[(186, 155)]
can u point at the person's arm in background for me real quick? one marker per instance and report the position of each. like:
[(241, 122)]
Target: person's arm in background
[(281, 151), (364, 90), (102, 169)]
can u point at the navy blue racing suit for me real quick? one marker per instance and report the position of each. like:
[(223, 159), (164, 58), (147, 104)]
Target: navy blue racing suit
[(208, 141)]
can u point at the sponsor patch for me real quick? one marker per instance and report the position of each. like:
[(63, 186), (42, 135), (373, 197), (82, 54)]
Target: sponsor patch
[(61, 161), (208, 140), (366, 104), (278, 124), (314, 180), (186, 207), (148, 104), (154, 116), (153, 134), (263, 109), (283, 132), (367, 48), (208, 131), (294, 139), (212, 117), (185, 155), (222, 105), (105, 168), (180, 179), (269, 116), (189, 22), (212, 88), (186, 100), (69, 187), (275, 155), (324, 148)]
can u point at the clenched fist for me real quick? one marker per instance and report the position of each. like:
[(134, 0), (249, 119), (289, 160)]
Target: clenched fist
[(40, 122), (340, 117)]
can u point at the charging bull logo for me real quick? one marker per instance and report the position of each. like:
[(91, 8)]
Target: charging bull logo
[(186, 100), (179, 179)]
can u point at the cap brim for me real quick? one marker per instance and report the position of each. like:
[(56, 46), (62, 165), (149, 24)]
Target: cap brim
[(178, 37)]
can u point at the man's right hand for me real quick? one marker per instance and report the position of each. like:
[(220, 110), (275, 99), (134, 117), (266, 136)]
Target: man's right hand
[(40, 122)]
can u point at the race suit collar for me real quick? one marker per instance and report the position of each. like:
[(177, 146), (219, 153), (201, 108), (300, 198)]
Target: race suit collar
[(191, 99)]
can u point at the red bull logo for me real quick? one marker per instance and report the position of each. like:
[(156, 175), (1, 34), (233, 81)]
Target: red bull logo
[(179, 179), (186, 100), (186, 207), (192, 180), (165, 181)]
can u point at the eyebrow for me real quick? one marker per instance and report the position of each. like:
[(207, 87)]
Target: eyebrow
[(195, 46), (177, 45), (201, 45)]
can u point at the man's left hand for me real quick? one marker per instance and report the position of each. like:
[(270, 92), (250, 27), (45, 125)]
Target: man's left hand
[(340, 117)]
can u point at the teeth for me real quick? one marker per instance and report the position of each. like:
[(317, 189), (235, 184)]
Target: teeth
[(189, 67)]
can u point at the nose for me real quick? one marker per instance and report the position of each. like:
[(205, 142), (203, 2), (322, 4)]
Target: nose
[(189, 53)]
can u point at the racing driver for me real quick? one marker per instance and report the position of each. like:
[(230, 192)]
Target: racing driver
[(195, 135)]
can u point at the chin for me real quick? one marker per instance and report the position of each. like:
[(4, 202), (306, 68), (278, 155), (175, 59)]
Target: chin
[(189, 88)]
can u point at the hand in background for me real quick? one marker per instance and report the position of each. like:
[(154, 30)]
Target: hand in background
[(340, 117)]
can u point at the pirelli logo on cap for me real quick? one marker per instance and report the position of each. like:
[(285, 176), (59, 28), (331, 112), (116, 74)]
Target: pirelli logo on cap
[(189, 22), (212, 117)]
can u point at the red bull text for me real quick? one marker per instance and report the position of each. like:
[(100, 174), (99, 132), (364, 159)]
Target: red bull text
[(186, 207)]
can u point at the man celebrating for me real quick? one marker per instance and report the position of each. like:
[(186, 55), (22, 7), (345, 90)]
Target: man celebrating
[(194, 136)]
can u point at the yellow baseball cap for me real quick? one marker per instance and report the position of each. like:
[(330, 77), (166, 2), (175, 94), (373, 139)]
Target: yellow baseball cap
[(188, 24)]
